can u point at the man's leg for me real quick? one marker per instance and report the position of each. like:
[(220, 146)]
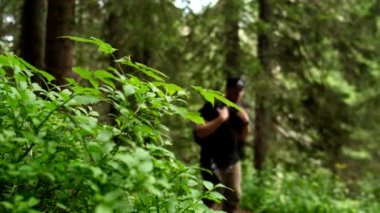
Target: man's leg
[(231, 178)]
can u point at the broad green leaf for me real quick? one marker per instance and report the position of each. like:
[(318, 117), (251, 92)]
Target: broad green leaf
[(105, 135), (129, 89), (145, 166), (83, 73), (109, 83), (103, 74), (46, 75), (169, 88), (84, 100), (6, 204), (33, 201), (103, 46), (4, 61), (211, 95), (94, 83), (208, 185), (96, 171), (216, 196), (95, 148), (194, 116), (71, 81), (102, 208)]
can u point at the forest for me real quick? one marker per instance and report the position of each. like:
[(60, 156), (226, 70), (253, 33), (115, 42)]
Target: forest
[(100, 104)]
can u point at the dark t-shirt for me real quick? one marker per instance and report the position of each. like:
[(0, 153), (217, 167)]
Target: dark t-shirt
[(222, 146)]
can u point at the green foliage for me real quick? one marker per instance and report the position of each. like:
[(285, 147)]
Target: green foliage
[(102, 47), (314, 190), (55, 154), (211, 95)]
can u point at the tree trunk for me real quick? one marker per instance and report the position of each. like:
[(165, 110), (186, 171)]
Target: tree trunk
[(33, 23), (60, 52), (3, 5), (262, 123), (232, 47)]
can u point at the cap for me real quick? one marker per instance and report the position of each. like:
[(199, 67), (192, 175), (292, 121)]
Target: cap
[(236, 82)]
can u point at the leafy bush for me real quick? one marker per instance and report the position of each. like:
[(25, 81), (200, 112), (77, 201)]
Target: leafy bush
[(317, 190), (55, 154)]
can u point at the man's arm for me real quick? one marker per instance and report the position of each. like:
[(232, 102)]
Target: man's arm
[(209, 127), (243, 115)]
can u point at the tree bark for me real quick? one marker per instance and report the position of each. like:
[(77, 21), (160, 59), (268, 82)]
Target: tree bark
[(232, 47), (33, 25), (60, 52), (262, 122)]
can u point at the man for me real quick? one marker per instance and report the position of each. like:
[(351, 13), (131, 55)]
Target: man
[(220, 138)]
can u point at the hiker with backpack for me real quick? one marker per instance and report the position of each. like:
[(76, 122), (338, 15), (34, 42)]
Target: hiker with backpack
[(221, 139)]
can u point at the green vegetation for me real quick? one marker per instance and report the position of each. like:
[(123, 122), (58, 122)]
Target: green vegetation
[(56, 155), (314, 189), (82, 131)]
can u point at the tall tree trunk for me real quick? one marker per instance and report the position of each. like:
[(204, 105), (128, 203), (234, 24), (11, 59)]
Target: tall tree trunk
[(3, 5), (112, 32), (33, 23), (262, 123), (232, 47), (60, 52)]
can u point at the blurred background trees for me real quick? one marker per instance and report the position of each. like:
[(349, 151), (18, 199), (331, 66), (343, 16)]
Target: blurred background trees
[(311, 67)]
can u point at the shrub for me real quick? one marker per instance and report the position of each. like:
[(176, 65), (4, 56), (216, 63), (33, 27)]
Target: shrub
[(317, 190), (56, 156)]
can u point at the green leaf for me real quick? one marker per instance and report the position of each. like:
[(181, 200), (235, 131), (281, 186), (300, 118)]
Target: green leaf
[(102, 208), (4, 61), (79, 39), (33, 201), (95, 148), (94, 83), (156, 75), (192, 116), (6, 204), (129, 89), (104, 135), (216, 196), (146, 166), (170, 88), (96, 171), (71, 81), (61, 206), (103, 46), (83, 73), (84, 100), (46, 75), (103, 74), (211, 95), (109, 83), (208, 185)]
